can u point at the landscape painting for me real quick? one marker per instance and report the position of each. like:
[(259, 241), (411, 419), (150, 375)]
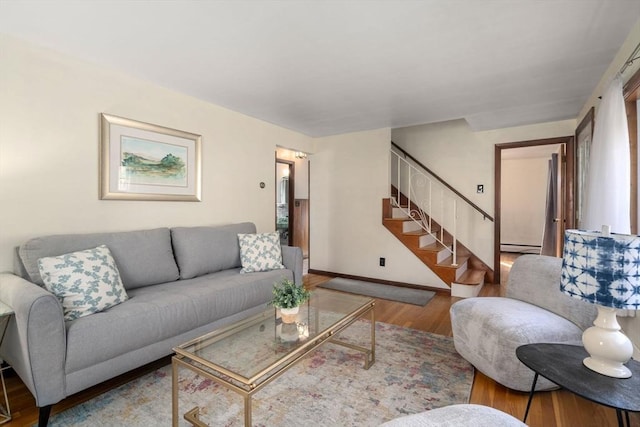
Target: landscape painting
[(153, 163), (142, 161)]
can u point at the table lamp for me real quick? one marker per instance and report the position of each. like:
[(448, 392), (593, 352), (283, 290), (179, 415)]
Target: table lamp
[(603, 268)]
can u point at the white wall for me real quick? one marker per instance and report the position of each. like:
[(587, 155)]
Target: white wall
[(49, 133), (524, 197), (465, 158), (349, 179)]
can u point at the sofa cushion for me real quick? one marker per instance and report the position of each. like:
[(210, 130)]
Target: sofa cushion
[(487, 331), (204, 250), (143, 257), (260, 252), (154, 313), (85, 282)]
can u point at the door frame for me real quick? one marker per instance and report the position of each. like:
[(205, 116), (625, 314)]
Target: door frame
[(567, 172), (291, 196), (631, 93)]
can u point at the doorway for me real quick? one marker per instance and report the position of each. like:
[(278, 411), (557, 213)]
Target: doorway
[(285, 187), (554, 206), (292, 199)]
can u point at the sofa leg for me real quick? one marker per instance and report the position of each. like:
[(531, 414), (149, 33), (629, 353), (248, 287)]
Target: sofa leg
[(43, 417)]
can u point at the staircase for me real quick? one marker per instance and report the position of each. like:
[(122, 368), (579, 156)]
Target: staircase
[(414, 224)]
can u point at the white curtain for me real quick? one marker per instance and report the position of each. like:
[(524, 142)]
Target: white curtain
[(608, 182)]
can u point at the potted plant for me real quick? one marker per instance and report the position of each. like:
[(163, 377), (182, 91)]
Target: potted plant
[(287, 296)]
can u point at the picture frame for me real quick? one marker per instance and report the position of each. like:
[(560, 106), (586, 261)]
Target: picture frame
[(143, 161)]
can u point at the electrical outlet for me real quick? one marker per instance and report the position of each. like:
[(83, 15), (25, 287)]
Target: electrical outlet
[(382, 261), (480, 188)]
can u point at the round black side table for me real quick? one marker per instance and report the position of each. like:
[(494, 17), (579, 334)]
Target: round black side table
[(562, 364)]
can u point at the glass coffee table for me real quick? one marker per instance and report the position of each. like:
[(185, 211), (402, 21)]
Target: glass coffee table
[(249, 354)]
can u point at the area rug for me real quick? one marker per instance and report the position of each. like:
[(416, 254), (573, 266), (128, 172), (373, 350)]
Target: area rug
[(414, 371), (377, 290)]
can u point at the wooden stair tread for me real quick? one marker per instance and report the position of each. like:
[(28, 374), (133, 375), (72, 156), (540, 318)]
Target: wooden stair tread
[(471, 277), (415, 233), (434, 247), (448, 243), (406, 218), (435, 227), (447, 262)]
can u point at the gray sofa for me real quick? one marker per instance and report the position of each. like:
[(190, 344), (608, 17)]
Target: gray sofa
[(487, 330), (181, 283)]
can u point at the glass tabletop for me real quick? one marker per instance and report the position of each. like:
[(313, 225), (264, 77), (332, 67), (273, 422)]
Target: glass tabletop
[(255, 347)]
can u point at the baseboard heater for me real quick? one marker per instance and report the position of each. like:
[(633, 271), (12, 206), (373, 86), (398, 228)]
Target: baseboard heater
[(520, 248)]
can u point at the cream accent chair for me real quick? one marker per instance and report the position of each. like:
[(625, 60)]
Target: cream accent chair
[(457, 416), (487, 330)]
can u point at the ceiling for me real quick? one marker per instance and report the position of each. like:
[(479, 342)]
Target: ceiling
[(331, 67)]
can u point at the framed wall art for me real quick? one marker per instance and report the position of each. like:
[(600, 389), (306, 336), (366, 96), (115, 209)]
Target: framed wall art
[(141, 161)]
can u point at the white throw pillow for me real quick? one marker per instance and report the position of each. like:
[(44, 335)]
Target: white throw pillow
[(85, 282), (260, 252)]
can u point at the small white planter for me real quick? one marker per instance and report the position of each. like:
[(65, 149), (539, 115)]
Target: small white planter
[(289, 314)]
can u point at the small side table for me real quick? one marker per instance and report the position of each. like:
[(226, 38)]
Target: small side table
[(562, 364), (5, 314)]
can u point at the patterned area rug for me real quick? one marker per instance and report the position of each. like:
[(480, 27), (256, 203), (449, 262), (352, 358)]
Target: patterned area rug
[(414, 371)]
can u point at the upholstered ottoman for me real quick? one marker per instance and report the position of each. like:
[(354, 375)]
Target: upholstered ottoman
[(487, 330), (457, 416)]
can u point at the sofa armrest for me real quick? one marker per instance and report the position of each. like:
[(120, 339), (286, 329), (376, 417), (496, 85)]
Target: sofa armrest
[(292, 259), (35, 341)]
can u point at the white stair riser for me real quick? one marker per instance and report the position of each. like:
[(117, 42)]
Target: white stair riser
[(410, 226), (398, 213), (427, 240), (462, 269), (465, 291), (442, 255)]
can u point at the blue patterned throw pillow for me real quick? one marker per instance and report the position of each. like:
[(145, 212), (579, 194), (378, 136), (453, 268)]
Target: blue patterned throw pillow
[(260, 252), (85, 282)]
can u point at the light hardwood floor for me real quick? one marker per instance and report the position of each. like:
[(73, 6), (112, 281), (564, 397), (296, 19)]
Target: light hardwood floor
[(549, 409)]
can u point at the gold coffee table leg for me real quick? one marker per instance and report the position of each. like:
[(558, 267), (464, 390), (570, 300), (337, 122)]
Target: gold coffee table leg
[(193, 417), (174, 392), (247, 410), (373, 337), (369, 353)]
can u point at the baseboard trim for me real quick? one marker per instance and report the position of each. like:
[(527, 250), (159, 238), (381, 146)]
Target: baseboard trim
[(381, 281)]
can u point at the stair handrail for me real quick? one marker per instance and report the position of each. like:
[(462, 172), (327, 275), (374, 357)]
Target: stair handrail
[(443, 182)]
